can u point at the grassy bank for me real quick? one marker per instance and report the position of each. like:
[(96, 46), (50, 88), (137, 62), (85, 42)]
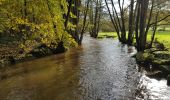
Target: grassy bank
[(162, 36)]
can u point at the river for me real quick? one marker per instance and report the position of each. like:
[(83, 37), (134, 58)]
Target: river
[(102, 69)]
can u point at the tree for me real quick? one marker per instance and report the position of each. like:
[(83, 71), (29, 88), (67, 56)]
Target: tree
[(75, 14), (95, 17), (143, 14), (42, 24), (117, 16), (141, 35), (131, 23)]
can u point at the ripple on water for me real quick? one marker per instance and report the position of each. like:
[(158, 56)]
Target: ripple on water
[(102, 69)]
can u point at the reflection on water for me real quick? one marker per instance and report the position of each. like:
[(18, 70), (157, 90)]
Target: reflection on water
[(99, 70)]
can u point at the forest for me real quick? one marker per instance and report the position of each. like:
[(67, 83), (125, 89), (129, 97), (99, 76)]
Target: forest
[(106, 36)]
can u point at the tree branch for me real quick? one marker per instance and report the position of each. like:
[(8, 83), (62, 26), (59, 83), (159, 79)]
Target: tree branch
[(160, 20)]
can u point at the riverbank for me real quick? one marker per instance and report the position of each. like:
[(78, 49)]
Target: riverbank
[(13, 53), (156, 58)]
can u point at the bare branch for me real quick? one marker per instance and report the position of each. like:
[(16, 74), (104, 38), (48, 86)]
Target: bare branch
[(160, 20)]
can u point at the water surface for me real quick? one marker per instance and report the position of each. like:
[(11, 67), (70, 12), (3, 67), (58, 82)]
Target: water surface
[(99, 70)]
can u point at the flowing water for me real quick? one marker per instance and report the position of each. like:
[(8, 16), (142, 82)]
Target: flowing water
[(99, 70)]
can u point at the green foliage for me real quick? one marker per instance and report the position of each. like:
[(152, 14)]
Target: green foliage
[(40, 21)]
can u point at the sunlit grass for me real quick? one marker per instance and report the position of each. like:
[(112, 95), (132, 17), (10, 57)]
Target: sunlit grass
[(104, 34), (162, 36)]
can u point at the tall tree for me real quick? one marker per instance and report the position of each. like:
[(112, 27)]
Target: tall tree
[(117, 16), (131, 22), (95, 17), (77, 10)]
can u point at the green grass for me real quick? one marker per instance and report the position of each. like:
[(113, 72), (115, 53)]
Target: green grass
[(104, 34), (162, 36)]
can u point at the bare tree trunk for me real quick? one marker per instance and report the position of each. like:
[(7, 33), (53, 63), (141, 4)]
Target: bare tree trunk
[(84, 22), (123, 29), (141, 24), (91, 17), (150, 17), (76, 11), (97, 17), (112, 20), (137, 23), (154, 31), (131, 23), (118, 21)]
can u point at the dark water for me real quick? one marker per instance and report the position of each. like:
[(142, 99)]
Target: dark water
[(99, 70)]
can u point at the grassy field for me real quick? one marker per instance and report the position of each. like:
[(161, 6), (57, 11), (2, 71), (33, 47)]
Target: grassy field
[(162, 36)]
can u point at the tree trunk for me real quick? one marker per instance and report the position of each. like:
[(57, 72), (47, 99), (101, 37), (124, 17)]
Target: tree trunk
[(84, 22), (143, 15), (131, 23), (154, 31), (113, 21), (70, 2)]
